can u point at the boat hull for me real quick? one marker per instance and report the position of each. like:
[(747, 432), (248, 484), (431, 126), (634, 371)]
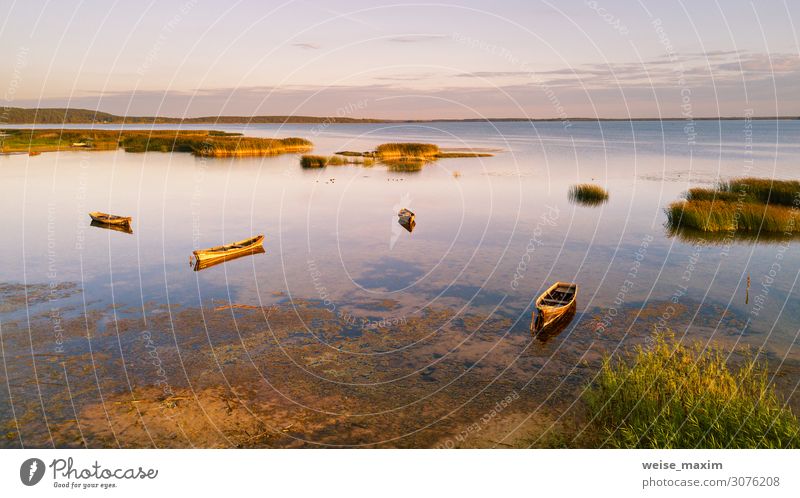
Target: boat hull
[(229, 251), (553, 304), (110, 219)]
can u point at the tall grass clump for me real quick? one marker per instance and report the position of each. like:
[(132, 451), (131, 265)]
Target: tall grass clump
[(237, 146), (588, 194), (710, 194), (395, 151), (198, 142), (716, 216), (765, 190), (309, 161), (678, 396)]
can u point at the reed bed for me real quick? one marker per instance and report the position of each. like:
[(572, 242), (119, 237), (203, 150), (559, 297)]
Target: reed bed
[(312, 161), (396, 151), (449, 155), (308, 161), (588, 194), (717, 216), (405, 165), (198, 142), (765, 190), (678, 396)]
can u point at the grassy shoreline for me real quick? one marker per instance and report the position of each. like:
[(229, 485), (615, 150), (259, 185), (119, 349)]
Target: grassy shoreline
[(203, 143), (673, 395), (741, 204)]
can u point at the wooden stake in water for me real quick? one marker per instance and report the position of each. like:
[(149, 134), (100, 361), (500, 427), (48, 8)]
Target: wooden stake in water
[(747, 292)]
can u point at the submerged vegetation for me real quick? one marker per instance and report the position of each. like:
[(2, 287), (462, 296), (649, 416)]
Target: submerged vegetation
[(588, 194), (198, 142), (678, 396), (742, 204)]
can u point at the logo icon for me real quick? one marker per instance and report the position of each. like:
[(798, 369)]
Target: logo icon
[(31, 471)]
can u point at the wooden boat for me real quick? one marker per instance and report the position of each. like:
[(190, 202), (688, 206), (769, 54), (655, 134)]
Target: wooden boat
[(405, 216), (198, 265), (407, 223), (554, 303), (406, 219), (110, 219), (228, 251), (117, 228)]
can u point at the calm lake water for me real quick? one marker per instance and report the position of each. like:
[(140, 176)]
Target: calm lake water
[(491, 234)]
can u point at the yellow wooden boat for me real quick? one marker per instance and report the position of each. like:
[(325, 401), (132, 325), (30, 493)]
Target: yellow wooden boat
[(554, 303), (198, 265), (229, 250), (110, 219)]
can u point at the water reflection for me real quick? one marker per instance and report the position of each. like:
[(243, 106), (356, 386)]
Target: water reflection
[(117, 228), (553, 328), (198, 265), (694, 236)]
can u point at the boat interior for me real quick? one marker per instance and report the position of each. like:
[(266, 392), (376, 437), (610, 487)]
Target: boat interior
[(559, 296)]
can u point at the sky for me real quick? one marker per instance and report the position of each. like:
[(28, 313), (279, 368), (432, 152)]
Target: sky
[(404, 60)]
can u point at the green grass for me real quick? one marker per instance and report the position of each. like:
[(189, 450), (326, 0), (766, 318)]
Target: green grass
[(752, 190), (765, 190), (588, 194), (198, 142), (710, 194), (679, 396), (741, 205), (717, 216)]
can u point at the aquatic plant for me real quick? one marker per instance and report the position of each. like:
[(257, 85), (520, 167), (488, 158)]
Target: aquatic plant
[(711, 194), (311, 161), (448, 155), (198, 142), (715, 216), (754, 190), (673, 395), (407, 150), (588, 194), (308, 161), (766, 190)]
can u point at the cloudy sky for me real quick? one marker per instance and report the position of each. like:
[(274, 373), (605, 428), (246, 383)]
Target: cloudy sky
[(539, 59)]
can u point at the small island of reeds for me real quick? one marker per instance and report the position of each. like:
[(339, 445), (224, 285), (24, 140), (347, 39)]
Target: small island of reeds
[(198, 142), (742, 204), (312, 161), (411, 156), (588, 194), (673, 395)]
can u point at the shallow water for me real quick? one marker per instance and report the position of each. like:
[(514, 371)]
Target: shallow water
[(362, 288)]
